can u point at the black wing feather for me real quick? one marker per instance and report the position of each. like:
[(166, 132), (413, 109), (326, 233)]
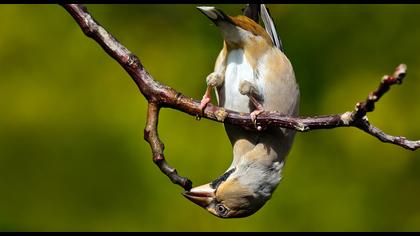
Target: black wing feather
[(270, 27)]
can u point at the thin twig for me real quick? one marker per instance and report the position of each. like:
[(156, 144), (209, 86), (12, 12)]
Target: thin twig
[(369, 105), (159, 95), (152, 137)]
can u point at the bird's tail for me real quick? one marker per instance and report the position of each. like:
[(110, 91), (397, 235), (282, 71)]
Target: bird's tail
[(270, 27), (254, 12)]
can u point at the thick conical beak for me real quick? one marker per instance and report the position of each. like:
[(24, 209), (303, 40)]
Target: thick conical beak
[(215, 14), (202, 195)]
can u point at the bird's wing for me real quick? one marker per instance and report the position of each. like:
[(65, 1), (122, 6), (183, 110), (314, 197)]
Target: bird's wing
[(270, 27)]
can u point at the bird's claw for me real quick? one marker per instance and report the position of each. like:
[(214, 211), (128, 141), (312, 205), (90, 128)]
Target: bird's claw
[(203, 103), (254, 115), (205, 100)]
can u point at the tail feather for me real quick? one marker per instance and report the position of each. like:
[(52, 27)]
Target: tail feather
[(270, 27), (252, 11)]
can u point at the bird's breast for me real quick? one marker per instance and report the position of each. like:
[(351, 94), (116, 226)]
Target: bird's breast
[(237, 69)]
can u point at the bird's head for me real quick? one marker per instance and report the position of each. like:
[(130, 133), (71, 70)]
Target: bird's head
[(237, 31), (239, 192)]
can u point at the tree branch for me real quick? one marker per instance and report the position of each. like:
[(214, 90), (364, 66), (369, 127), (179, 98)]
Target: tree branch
[(159, 95), (152, 137)]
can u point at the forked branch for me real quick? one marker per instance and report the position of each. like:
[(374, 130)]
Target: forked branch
[(159, 95)]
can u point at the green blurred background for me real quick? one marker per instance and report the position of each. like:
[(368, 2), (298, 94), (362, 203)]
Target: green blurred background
[(72, 154)]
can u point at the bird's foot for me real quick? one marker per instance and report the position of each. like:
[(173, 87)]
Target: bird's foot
[(205, 100), (259, 109), (213, 80), (254, 115)]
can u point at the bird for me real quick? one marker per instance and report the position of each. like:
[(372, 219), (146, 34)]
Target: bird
[(251, 75)]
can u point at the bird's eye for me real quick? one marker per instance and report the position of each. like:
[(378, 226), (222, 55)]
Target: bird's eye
[(221, 210)]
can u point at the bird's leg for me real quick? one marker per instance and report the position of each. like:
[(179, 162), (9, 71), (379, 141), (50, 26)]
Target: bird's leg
[(258, 109), (250, 90), (213, 80), (206, 98)]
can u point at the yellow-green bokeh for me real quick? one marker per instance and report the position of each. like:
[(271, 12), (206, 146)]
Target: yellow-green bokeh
[(72, 154)]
